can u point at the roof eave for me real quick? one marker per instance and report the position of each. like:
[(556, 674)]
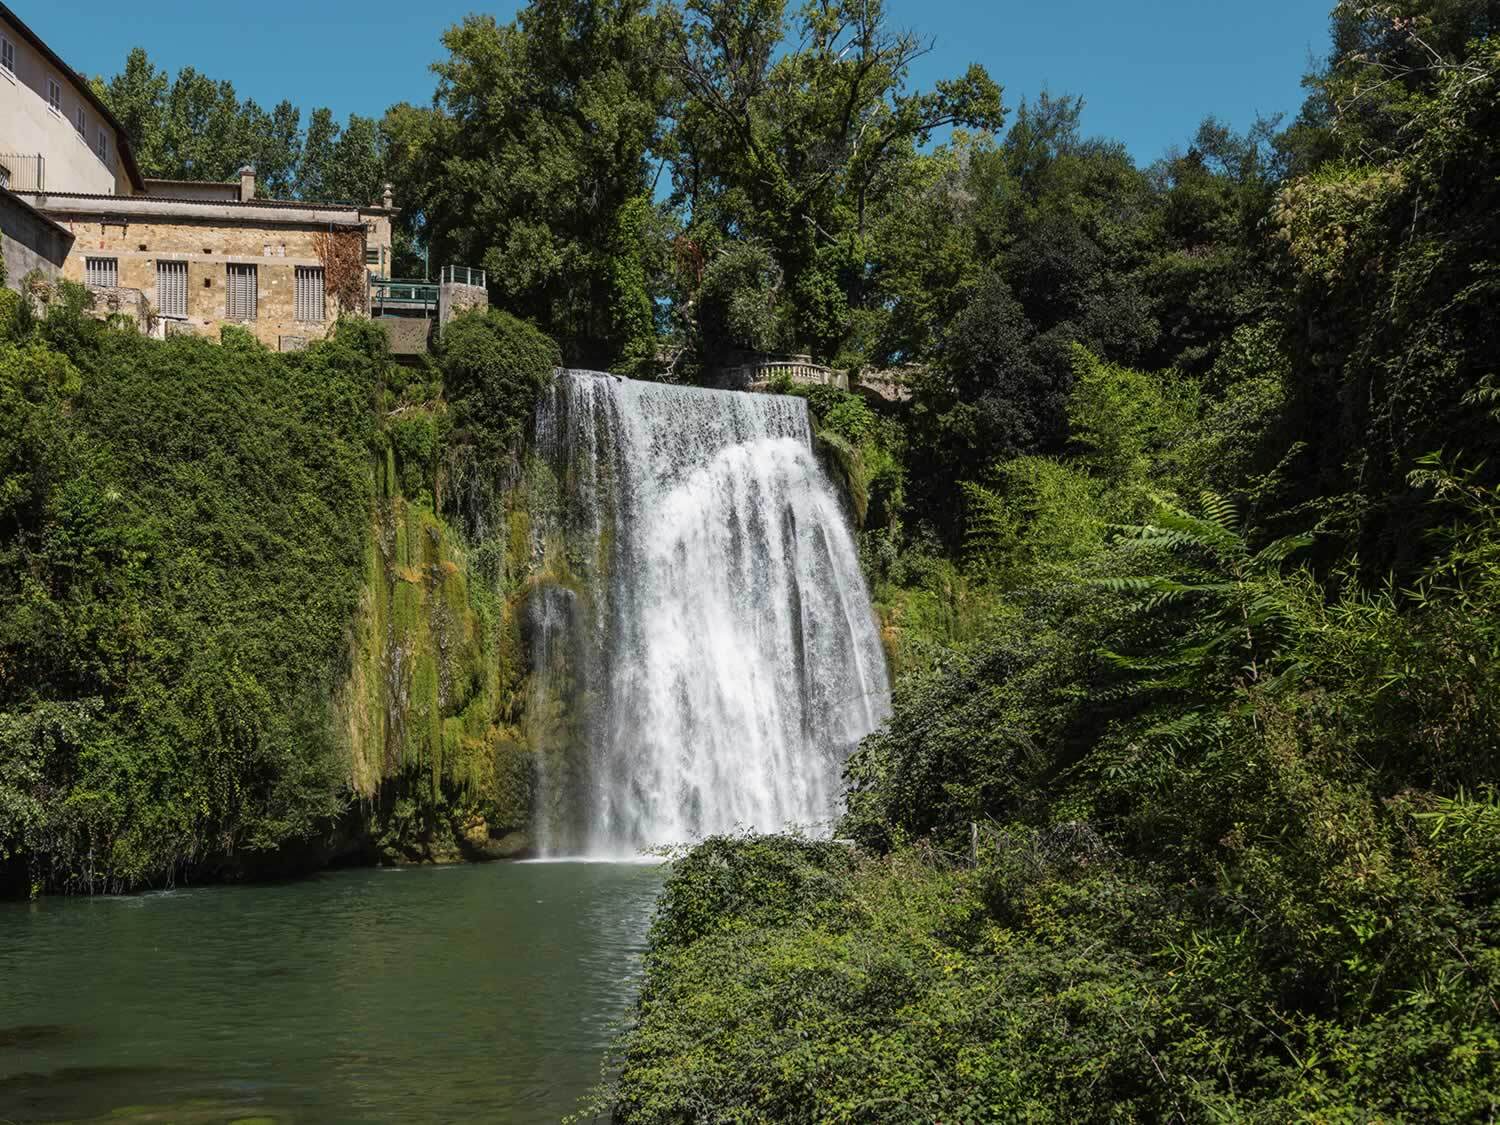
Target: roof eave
[(6, 193), (122, 140)]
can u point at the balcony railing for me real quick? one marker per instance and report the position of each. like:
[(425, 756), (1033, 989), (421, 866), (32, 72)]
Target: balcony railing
[(463, 275), (403, 296), (23, 171)]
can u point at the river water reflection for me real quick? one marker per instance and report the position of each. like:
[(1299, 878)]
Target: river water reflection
[(476, 993)]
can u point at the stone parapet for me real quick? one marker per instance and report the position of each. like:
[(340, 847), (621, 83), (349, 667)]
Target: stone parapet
[(123, 300), (760, 373), (893, 384), (455, 297)]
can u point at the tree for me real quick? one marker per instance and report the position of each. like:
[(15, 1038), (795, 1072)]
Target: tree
[(359, 171), (137, 98), (316, 168), (195, 128), (799, 145), (537, 143)]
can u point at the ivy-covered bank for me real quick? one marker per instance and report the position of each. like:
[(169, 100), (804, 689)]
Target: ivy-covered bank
[(245, 625)]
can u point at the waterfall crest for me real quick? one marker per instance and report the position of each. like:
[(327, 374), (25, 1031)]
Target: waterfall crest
[(724, 657)]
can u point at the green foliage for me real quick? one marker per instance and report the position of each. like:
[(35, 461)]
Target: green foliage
[(862, 450), (1175, 816), (182, 535), (494, 368), (534, 154), (1393, 255), (633, 264), (737, 304), (1123, 421), (791, 130), (1046, 979), (1175, 813), (415, 439), (192, 127)]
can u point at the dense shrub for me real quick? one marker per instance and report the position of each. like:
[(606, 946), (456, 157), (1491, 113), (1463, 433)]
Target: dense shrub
[(181, 548), (494, 368), (1185, 832)]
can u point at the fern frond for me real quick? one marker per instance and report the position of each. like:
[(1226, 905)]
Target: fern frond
[(1280, 550)]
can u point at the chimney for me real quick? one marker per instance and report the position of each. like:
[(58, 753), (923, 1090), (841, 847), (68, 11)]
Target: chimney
[(247, 184), (387, 198)]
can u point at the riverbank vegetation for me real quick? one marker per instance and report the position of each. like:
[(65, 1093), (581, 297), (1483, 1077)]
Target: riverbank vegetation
[(1187, 808), (1183, 541)]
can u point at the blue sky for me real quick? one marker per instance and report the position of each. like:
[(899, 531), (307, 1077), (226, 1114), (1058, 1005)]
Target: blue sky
[(1148, 70)]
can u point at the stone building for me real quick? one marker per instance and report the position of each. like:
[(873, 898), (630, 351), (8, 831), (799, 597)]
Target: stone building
[(215, 254), (178, 255)]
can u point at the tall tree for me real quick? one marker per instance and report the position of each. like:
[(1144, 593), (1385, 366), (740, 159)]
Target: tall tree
[(538, 143), (316, 166), (137, 97), (359, 162), (797, 144)]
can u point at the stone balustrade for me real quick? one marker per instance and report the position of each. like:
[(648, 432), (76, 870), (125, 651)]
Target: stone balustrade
[(761, 372)]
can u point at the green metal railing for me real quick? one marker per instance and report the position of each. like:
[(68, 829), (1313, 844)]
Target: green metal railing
[(410, 296), (403, 296)]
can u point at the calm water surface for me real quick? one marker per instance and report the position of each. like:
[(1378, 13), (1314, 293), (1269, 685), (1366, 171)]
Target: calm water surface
[(477, 993)]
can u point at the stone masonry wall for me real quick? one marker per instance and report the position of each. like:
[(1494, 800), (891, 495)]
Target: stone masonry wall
[(275, 250), (454, 298)]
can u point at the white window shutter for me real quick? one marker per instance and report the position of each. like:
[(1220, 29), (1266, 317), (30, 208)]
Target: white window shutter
[(310, 294)]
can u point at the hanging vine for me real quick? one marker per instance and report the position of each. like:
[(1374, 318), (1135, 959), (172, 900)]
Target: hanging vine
[(343, 256)]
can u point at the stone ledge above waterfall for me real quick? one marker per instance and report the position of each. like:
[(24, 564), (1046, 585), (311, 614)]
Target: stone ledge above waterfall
[(753, 371)]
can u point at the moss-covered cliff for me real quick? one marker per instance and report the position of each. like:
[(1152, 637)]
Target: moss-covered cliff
[(437, 717), (262, 612)]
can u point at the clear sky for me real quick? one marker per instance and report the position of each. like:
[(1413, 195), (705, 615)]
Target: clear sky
[(1149, 70)]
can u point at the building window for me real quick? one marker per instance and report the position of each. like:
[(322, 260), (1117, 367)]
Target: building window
[(372, 255), (102, 271), (82, 121), (311, 306), (171, 288), (7, 55), (240, 292), (54, 95), (102, 147)]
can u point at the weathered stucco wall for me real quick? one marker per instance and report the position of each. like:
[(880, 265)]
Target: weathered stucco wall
[(30, 242), (29, 125)]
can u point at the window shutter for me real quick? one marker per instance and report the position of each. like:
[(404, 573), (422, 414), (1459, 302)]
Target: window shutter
[(171, 288), (240, 295), (310, 294), (102, 272)]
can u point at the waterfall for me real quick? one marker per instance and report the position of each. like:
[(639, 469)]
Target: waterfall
[(724, 657)]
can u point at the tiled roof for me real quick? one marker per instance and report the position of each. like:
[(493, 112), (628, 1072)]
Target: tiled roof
[(290, 204)]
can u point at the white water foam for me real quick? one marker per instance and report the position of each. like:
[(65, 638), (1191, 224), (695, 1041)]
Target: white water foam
[(729, 654)]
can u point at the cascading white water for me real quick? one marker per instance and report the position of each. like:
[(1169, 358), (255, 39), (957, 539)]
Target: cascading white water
[(731, 660)]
